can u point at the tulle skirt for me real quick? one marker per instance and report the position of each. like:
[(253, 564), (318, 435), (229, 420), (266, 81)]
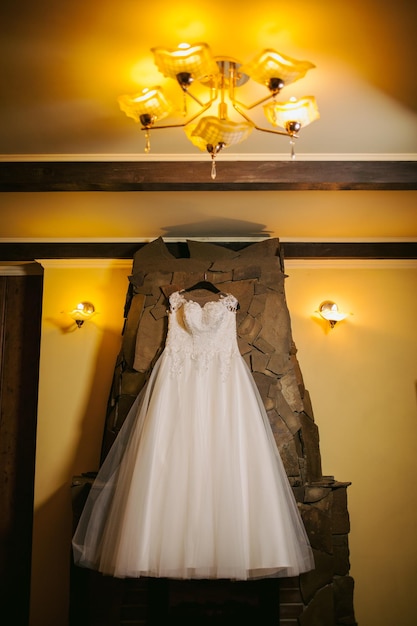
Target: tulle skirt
[(194, 486)]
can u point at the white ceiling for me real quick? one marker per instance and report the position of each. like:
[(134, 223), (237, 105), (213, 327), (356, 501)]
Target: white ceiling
[(65, 63)]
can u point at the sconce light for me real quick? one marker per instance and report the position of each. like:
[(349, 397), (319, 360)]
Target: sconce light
[(82, 312), (330, 312)]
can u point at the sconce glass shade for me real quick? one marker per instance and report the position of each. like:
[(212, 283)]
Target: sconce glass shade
[(82, 312), (211, 130), (270, 64), (196, 60), (150, 102), (330, 312), (286, 114)]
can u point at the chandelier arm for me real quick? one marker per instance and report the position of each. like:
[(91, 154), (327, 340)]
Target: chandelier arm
[(164, 126), (275, 132), (183, 124), (213, 95), (232, 89), (264, 130), (202, 104), (248, 107)]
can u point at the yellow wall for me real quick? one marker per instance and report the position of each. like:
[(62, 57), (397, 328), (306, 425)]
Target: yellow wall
[(362, 380), (76, 369)]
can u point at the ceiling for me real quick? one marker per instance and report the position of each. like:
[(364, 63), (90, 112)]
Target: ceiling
[(64, 64)]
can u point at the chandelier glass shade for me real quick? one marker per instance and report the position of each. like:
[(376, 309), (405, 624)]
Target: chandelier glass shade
[(211, 130), (269, 66), (150, 102), (195, 60), (283, 114), (220, 77)]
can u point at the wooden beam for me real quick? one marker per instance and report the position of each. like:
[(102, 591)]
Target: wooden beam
[(38, 176), (27, 251)]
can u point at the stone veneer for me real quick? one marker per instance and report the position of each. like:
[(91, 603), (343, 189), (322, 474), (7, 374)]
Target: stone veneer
[(255, 276)]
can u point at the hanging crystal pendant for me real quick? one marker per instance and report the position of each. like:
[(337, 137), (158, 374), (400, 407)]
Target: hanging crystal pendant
[(213, 151), (147, 141), (292, 148), (213, 167), (292, 128)]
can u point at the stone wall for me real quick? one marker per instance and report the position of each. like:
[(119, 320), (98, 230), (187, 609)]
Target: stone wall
[(255, 276)]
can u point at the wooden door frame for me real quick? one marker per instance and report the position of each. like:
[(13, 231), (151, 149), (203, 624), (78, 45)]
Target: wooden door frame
[(20, 332)]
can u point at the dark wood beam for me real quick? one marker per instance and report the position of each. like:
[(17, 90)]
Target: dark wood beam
[(39, 176), (26, 251)]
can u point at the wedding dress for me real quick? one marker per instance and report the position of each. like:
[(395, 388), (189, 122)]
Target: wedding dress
[(194, 486)]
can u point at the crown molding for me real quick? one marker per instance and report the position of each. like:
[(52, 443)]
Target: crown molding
[(90, 263), (20, 268)]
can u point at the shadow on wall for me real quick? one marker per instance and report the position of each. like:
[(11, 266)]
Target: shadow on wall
[(50, 584), (93, 420), (53, 519), (221, 227)]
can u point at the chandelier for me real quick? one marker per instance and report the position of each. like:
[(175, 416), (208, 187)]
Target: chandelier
[(219, 78)]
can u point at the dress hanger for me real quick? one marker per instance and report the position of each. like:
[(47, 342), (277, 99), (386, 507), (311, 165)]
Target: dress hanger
[(203, 284), (208, 286)]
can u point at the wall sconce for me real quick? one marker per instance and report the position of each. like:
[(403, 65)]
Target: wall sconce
[(82, 312), (330, 312)]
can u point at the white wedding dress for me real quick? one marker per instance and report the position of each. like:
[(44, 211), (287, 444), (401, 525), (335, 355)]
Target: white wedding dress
[(194, 486)]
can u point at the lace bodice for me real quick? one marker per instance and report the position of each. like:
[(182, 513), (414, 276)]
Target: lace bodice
[(202, 332)]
